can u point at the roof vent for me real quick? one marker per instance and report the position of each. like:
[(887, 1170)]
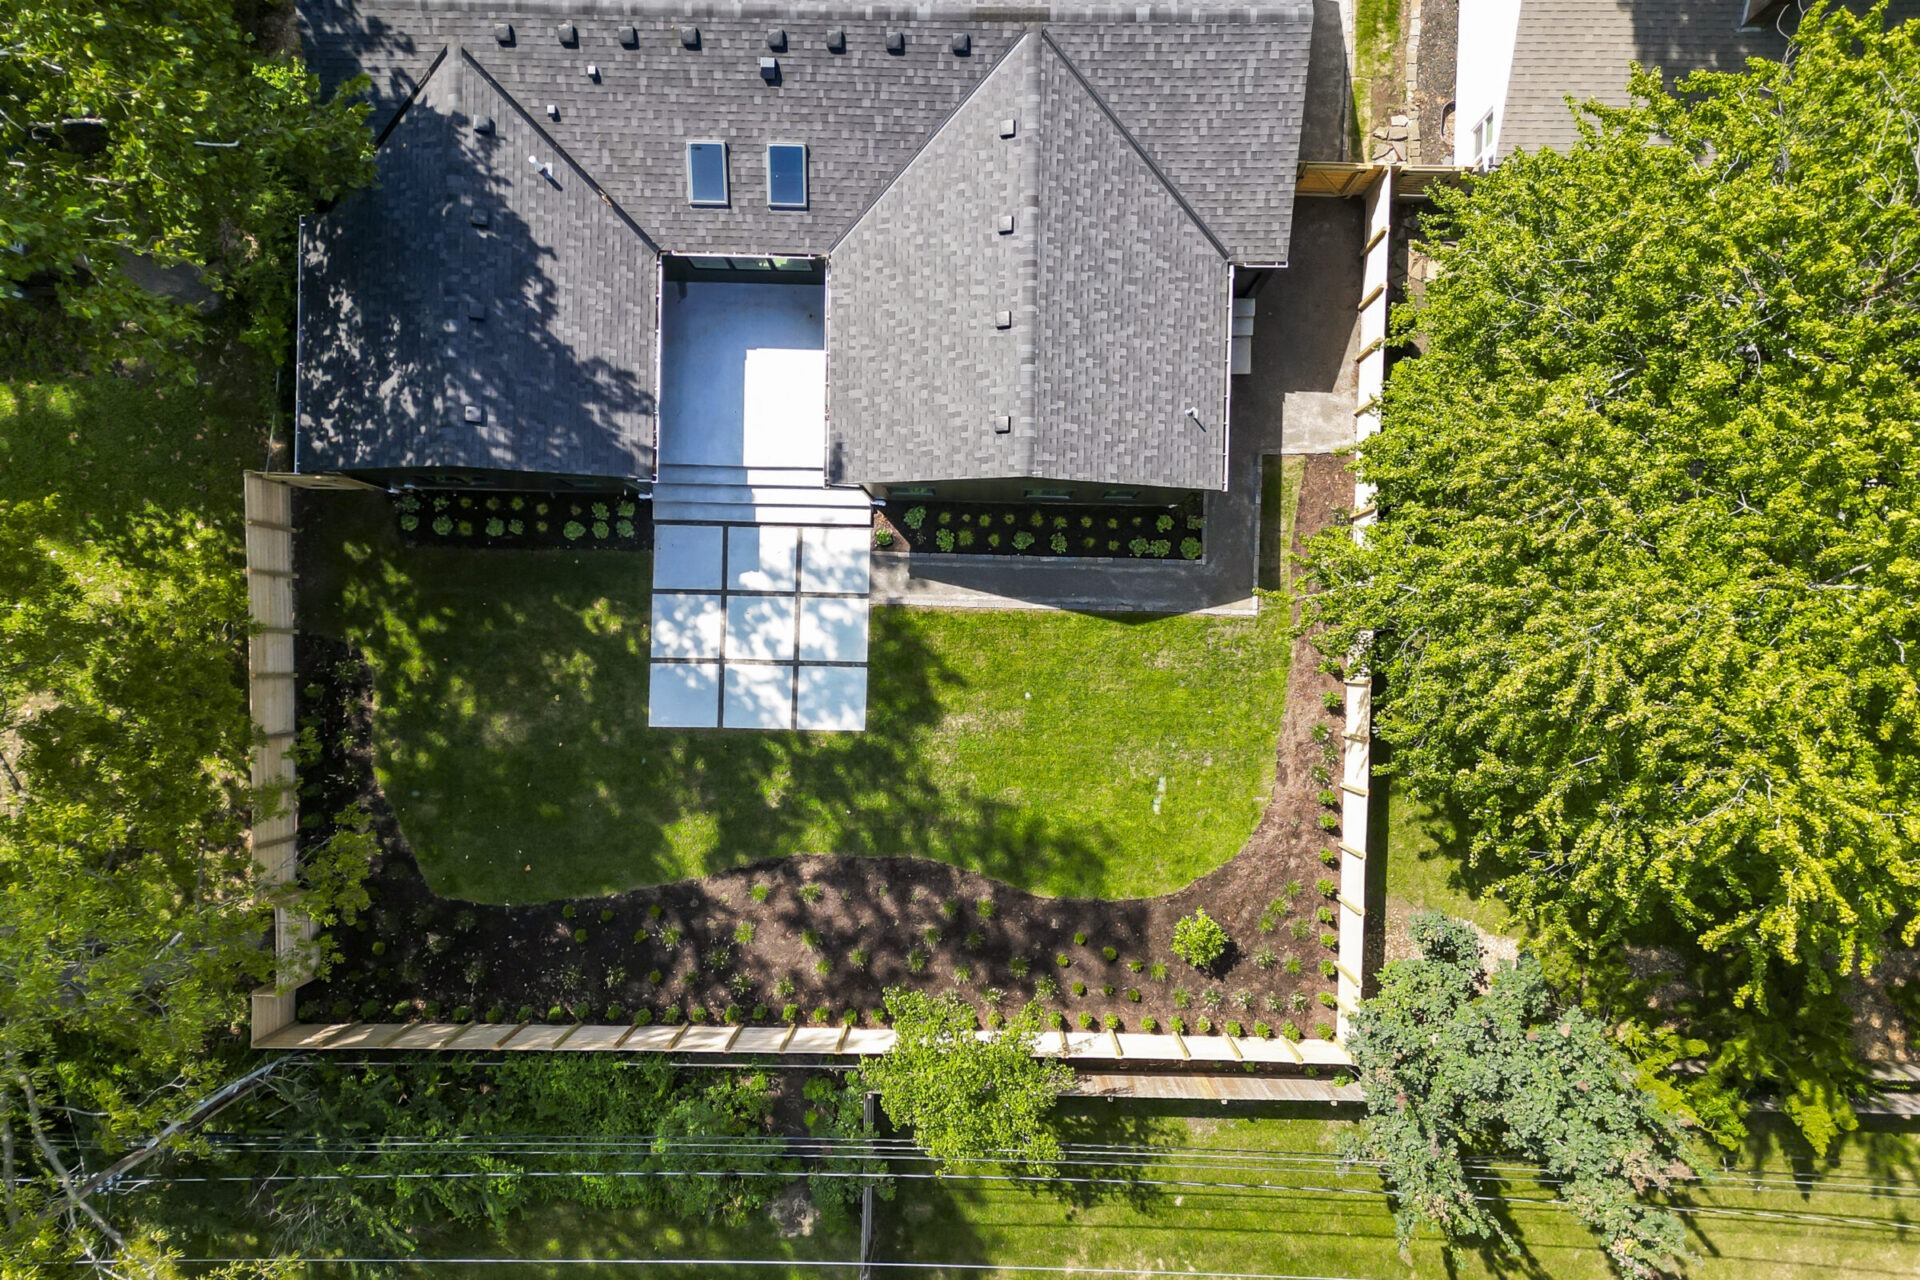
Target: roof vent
[(1003, 319), (503, 32), (770, 70), (474, 413), (553, 111), (1007, 127), (483, 124), (689, 37), (593, 73), (837, 41), (476, 309), (629, 38), (777, 40), (962, 46), (478, 218), (1002, 424), (568, 33), (896, 42)]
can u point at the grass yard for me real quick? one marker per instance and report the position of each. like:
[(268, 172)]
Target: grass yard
[(108, 448), (1299, 1225), (511, 692), (1426, 864)]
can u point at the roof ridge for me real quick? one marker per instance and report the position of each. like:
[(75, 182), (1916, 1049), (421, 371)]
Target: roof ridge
[(413, 96), (1152, 164), (558, 150)]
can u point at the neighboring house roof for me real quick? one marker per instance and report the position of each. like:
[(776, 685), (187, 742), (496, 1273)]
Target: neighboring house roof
[(1165, 149), (413, 314), (1582, 49)]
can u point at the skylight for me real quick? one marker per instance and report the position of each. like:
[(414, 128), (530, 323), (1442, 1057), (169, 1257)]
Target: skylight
[(707, 173), (787, 175)]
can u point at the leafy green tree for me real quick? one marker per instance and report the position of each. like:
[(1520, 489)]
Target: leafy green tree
[(1641, 589), (1460, 1066), (968, 1098), (140, 130)]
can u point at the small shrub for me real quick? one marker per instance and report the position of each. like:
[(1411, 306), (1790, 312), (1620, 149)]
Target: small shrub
[(964, 537), (1235, 1030), (1328, 999), (810, 939), (495, 527), (616, 1013), (579, 935), (1022, 540), (1190, 548), (697, 1014), (1212, 998), (1328, 797), (930, 935), (1334, 700), (462, 1013), (1200, 941), (1133, 994), (1243, 999), (1045, 988), (409, 523), (1324, 1030), (623, 527), (568, 912), (573, 530), (914, 518), (743, 933), (1062, 959), (402, 1010), (1157, 971), (654, 911), (643, 1017), (1296, 1002), (1138, 546), (1079, 988), (1330, 940), (442, 525), (850, 1018), (1149, 1024), (523, 1014), (733, 1015), (1328, 969), (986, 908), (1111, 1022), (1019, 966), (822, 1015), (670, 937), (916, 961), (379, 947), (823, 966), (496, 1014), (1330, 856), (1265, 958), (1106, 988), (1057, 543), (974, 940), (1301, 929), (1136, 966), (1203, 1025), (1056, 1019), (883, 537), (1109, 954), (1079, 938), (858, 957), (1086, 1021), (1289, 1031), (1262, 1030), (783, 986), (1293, 964), (1177, 1025), (962, 974), (1181, 999), (1327, 886), (655, 977), (606, 915), (761, 1013), (811, 893), (790, 1013), (760, 892), (1324, 915), (1328, 821), (556, 1014)]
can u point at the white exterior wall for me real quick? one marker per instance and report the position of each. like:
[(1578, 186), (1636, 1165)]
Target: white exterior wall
[(1483, 65)]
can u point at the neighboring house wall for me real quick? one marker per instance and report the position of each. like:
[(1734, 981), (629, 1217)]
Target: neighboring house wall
[(1484, 62)]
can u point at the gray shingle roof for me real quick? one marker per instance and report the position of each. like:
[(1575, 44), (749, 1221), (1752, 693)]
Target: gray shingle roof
[(1175, 138), (1116, 303), (1583, 48), (392, 356)]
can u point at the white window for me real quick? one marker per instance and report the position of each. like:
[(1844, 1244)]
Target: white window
[(1483, 139)]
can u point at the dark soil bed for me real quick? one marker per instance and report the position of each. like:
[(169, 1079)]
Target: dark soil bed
[(1046, 530), (524, 519), (820, 938)]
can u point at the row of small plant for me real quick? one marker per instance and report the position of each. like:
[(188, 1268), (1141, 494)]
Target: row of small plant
[(1153, 533), (520, 519)]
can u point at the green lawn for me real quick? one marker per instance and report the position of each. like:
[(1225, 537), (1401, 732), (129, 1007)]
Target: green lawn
[(1426, 864), (107, 447), (1299, 1225), (512, 740)]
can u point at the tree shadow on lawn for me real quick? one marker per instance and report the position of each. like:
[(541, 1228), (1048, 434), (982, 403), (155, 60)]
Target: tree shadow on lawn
[(513, 704)]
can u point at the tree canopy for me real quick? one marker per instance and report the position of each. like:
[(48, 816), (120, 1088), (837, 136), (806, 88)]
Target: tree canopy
[(965, 1097), (1642, 587), (1458, 1065), (144, 132)]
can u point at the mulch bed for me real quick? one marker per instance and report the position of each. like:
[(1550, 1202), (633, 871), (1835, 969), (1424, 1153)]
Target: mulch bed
[(1044, 530), (821, 937), (528, 519)]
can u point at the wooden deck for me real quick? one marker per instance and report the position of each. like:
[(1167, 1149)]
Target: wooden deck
[(1200, 1086)]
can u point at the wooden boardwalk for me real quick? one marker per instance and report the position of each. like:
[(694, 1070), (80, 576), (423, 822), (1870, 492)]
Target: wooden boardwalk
[(1197, 1086)]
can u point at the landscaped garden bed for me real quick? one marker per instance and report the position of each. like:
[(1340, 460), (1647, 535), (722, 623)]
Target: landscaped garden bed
[(526, 519), (1038, 799), (1047, 530)]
